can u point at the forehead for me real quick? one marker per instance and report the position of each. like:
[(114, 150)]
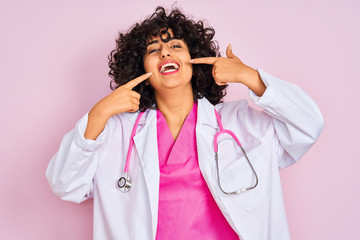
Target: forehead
[(163, 34)]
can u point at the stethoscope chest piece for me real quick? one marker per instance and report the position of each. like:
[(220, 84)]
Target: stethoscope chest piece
[(125, 183)]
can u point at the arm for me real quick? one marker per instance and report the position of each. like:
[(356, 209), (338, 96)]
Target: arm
[(122, 99), (232, 69), (72, 168), (297, 120), (71, 171)]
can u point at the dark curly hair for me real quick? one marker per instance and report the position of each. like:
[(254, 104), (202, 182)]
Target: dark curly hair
[(126, 60)]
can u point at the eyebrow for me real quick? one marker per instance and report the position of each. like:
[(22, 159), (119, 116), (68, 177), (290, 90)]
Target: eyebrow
[(152, 42)]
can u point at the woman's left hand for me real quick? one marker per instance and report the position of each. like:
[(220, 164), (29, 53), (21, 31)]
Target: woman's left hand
[(232, 69)]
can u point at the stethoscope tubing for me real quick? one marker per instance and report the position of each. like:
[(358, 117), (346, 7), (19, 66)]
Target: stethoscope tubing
[(125, 182), (131, 145), (232, 134)]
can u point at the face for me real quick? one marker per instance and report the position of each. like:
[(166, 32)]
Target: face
[(169, 64)]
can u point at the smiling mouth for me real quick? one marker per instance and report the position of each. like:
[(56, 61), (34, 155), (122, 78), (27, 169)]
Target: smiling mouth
[(168, 68)]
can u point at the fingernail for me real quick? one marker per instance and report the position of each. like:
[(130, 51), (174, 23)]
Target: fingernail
[(230, 47), (191, 61), (149, 74)]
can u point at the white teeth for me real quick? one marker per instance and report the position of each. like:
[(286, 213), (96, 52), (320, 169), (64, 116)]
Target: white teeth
[(176, 67)]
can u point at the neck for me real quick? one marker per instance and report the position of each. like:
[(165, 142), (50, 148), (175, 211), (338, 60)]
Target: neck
[(175, 106)]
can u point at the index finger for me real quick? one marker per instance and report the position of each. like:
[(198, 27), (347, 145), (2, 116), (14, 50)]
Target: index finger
[(204, 60), (133, 83)]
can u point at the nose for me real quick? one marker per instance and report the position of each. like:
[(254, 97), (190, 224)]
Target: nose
[(165, 52)]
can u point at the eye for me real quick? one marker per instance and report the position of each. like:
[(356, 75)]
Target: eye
[(153, 50), (176, 46)]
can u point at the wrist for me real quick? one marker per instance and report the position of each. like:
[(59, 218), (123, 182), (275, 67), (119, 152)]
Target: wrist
[(99, 113), (95, 125), (253, 81), (247, 75)]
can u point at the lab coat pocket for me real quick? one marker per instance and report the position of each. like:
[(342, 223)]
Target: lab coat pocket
[(236, 174)]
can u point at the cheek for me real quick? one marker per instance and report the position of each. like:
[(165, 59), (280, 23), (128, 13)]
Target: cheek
[(189, 70), (187, 55), (188, 66), (148, 64)]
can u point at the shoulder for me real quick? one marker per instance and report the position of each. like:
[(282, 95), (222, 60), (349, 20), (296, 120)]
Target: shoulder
[(240, 109), (233, 106), (128, 119), (239, 114), (122, 118)]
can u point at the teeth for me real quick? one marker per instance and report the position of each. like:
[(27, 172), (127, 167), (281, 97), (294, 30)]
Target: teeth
[(176, 67)]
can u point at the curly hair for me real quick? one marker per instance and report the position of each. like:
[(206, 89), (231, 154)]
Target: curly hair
[(126, 60)]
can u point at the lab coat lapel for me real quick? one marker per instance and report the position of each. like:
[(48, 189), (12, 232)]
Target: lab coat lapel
[(206, 128), (146, 145)]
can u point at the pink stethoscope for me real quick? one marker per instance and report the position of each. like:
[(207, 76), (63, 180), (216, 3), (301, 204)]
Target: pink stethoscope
[(125, 182)]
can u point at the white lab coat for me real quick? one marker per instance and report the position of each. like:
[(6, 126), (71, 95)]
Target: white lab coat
[(274, 138)]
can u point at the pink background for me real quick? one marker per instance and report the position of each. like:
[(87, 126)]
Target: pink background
[(53, 60)]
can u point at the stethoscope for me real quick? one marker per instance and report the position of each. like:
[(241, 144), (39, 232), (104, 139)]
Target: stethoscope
[(125, 182)]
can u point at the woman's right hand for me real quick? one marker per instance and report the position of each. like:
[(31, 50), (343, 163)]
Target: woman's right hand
[(122, 99)]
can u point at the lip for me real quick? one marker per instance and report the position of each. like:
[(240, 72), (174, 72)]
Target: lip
[(169, 61)]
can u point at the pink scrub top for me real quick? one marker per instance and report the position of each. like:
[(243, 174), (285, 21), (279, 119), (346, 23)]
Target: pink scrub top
[(187, 209)]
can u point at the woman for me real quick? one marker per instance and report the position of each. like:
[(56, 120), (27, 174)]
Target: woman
[(168, 69)]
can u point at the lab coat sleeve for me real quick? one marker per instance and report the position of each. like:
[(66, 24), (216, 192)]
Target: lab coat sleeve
[(297, 119), (71, 170)]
